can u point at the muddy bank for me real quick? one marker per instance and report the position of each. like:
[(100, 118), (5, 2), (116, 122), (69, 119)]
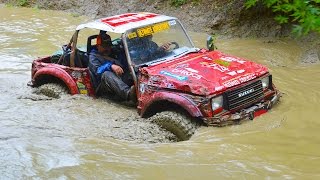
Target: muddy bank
[(227, 18), (224, 18)]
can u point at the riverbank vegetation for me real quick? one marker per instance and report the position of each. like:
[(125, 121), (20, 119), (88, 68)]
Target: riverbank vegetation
[(303, 14)]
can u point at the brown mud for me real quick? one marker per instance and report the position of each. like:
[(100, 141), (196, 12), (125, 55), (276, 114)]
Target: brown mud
[(83, 116), (227, 20), (78, 137)]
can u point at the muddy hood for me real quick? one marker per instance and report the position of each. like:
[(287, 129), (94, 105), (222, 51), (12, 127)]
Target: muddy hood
[(203, 73)]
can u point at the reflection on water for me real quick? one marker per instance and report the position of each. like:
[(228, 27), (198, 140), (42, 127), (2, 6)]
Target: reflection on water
[(69, 138)]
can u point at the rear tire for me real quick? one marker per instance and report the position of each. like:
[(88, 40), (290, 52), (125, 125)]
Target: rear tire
[(54, 90), (182, 126)]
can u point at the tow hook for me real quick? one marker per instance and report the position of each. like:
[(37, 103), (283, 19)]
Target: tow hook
[(268, 106), (276, 98), (251, 115)]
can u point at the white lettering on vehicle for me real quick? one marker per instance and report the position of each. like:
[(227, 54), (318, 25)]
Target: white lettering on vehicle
[(187, 73), (231, 83), (233, 73), (244, 93), (192, 70), (234, 82), (230, 59), (215, 66), (248, 77), (129, 18), (207, 58), (219, 88)]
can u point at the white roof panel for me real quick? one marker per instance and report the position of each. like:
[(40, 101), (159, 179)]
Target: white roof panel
[(123, 22)]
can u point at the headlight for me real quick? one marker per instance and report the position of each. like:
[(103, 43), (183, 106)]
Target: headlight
[(265, 82), (217, 102)]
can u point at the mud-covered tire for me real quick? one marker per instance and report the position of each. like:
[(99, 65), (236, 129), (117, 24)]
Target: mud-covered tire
[(53, 90), (181, 125)]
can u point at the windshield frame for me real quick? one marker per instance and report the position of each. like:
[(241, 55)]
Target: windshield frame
[(125, 43)]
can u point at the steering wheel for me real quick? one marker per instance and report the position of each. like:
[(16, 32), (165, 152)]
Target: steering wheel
[(176, 45)]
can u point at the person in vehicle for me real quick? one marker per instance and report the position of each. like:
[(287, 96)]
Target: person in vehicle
[(112, 75), (142, 48)]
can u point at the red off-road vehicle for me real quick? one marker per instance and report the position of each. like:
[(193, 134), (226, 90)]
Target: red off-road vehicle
[(177, 89)]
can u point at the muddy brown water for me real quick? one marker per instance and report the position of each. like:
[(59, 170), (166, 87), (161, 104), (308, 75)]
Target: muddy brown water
[(78, 137)]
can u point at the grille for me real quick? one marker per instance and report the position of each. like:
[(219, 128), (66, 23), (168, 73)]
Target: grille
[(245, 96)]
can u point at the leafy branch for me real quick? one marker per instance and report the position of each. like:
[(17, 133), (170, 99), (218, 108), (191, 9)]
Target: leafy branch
[(304, 14)]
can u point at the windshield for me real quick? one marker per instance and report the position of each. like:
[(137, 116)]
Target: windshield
[(158, 42)]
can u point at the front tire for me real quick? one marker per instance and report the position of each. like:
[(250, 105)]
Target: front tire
[(182, 126), (54, 90)]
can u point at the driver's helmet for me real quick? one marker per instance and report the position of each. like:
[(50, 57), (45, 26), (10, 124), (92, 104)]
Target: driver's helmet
[(104, 40)]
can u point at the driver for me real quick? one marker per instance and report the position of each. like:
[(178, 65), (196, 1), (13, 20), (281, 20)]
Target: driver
[(143, 48)]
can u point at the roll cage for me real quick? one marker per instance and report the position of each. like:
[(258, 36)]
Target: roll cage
[(121, 43)]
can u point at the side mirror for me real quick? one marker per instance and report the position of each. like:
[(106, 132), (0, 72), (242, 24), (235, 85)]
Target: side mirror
[(210, 43)]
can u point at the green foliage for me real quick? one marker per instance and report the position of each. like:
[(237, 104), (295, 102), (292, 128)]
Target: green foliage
[(20, 3), (178, 3), (305, 14), (23, 3), (250, 3)]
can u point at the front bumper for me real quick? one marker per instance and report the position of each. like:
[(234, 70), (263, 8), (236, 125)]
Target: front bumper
[(245, 114)]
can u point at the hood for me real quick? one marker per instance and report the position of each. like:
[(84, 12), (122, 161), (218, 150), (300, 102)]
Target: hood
[(203, 73)]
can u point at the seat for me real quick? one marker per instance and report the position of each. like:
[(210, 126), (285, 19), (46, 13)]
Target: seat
[(81, 59), (89, 43)]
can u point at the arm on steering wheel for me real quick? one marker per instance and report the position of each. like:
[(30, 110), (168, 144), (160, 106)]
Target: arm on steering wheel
[(168, 46)]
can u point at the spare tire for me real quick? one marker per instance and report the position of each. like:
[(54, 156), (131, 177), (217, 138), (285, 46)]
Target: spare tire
[(54, 90), (179, 124)]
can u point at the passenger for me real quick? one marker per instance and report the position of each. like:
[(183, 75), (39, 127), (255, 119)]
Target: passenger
[(112, 74)]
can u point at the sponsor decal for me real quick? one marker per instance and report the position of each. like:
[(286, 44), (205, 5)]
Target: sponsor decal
[(193, 73), (231, 59), (234, 82), (219, 88), (207, 58), (214, 66), (184, 69), (233, 73), (192, 70), (132, 35), (81, 87), (175, 76), (263, 72), (222, 62), (182, 66), (244, 93), (225, 77), (146, 31), (127, 18), (247, 77)]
